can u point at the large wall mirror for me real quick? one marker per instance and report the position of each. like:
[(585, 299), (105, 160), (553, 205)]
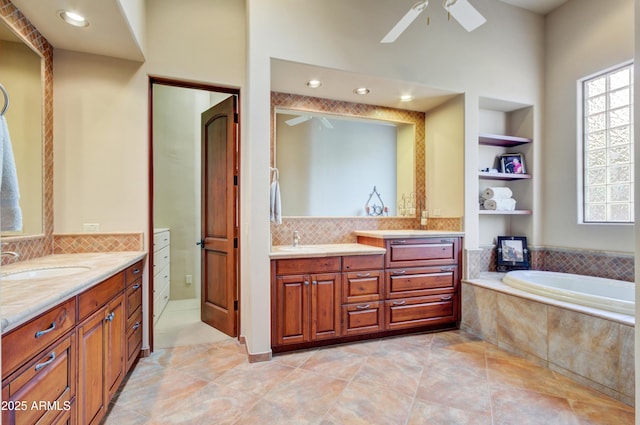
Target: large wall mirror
[(332, 165), (21, 73)]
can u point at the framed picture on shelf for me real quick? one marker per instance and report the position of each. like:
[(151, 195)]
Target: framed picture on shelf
[(512, 253), (512, 163)]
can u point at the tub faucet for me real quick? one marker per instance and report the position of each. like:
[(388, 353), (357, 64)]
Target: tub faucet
[(10, 253), (296, 238)]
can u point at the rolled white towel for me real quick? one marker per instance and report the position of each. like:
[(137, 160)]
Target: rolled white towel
[(497, 193), (508, 204)]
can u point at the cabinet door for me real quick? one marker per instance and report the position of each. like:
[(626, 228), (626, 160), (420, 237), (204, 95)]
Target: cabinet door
[(115, 321), (292, 309), (91, 369), (325, 305)]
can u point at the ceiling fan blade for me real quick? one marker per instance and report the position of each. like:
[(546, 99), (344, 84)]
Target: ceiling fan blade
[(466, 15), (325, 122), (403, 23), (298, 120)]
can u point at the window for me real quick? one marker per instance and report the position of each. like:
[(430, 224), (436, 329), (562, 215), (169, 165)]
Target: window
[(607, 141)]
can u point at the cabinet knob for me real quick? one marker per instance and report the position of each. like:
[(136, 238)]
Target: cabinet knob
[(315, 282), (110, 316), (306, 282), (136, 326), (136, 286)]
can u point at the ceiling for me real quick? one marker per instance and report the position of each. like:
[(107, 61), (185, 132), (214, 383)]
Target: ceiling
[(110, 34)]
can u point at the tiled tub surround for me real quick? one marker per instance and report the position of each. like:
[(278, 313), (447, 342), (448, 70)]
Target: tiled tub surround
[(593, 347), (610, 265), (23, 300)]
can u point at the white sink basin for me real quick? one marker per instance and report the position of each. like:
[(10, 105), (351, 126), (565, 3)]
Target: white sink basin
[(44, 273), (300, 248)]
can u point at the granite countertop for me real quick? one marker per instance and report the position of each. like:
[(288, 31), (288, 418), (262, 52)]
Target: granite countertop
[(22, 300), (407, 233), (323, 250)]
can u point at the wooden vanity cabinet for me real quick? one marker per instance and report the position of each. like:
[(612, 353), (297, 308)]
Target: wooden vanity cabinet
[(306, 306), (101, 348), (133, 282), (362, 294)]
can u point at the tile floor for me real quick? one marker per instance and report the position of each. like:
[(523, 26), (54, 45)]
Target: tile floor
[(441, 378), (180, 324)]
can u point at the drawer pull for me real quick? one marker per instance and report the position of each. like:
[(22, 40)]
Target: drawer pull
[(136, 270), (446, 298), (363, 274), (46, 331), (399, 271), (136, 286), (52, 357), (136, 326), (110, 316), (398, 242), (447, 268), (398, 302), (363, 307)]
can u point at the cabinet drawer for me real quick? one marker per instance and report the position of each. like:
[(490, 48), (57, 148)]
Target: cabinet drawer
[(363, 262), (161, 259), (422, 252), (133, 273), (308, 265), (415, 282), (134, 337), (362, 318), (91, 300), (161, 280), (362, 286), (22, 343), (161, 239), (412, 312), (48, 379), (160, 302), (134, 298)]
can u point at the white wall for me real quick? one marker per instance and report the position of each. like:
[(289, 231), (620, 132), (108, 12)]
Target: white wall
[(101, 112), (445, 140), (583, 37)]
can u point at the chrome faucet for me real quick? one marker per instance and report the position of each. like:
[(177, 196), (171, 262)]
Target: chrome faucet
[(296, 238)]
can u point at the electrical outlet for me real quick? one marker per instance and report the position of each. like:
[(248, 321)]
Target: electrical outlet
[(188, 279), (91, 227), (436, 212)]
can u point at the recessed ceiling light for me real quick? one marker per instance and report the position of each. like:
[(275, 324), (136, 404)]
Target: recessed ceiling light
[(406, 98), (314, 84), (362, 90), (73, 18)]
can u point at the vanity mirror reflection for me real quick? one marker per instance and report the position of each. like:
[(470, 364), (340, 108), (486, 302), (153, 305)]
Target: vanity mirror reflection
[(333, 165), (21, 73)]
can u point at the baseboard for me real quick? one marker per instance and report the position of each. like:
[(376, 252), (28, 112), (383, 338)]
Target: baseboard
[(257, 357)]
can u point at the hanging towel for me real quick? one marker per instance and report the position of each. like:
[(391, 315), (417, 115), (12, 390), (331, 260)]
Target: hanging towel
[(497, 193), (508, 204), (10, 213), (276, 206)]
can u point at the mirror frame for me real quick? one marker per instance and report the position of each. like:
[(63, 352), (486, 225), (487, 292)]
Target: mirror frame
[(36, 245), (359, 110)]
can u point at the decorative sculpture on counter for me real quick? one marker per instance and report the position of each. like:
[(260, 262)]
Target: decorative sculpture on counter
[(375, 209)]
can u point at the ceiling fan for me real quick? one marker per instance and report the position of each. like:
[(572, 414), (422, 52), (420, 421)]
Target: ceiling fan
[(461, 10), (303, 118)]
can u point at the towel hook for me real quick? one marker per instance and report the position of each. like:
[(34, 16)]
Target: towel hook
[(6, 100)]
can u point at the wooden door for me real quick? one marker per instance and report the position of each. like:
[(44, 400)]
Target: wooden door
[(325, 306), (91, 368), (292, 309), (220, 217), (115, 345)]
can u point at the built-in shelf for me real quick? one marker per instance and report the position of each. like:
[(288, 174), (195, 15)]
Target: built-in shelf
[(501, 140), (502, 176), (516, 212)]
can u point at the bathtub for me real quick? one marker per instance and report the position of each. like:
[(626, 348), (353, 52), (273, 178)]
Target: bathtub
[(605, 294)]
